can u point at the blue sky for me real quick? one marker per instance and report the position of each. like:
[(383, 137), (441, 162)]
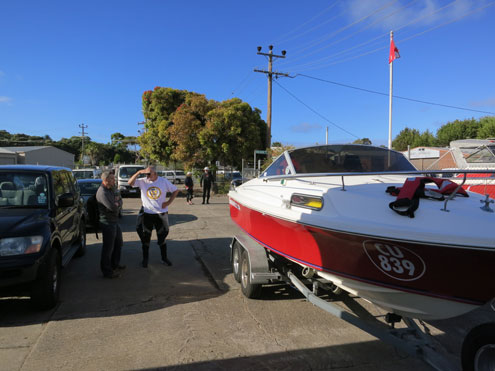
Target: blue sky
[(63, 63)]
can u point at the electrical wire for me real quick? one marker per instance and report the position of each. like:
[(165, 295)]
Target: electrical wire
[(328, 36), (402, 40), (315, 112), (284, 38), (312, 63), (395, 96)]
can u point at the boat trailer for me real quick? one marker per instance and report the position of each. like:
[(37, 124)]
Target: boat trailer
[(253, 265)]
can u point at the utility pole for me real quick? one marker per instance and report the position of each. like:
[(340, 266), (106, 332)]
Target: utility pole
[(82, 126), (270, 75)]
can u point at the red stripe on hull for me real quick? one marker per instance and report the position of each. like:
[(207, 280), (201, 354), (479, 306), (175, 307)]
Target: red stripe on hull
[(464, 275)]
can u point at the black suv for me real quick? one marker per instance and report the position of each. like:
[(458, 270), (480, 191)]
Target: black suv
[(41, 228)]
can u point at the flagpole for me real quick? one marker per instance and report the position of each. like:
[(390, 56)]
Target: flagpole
[(390, 98)]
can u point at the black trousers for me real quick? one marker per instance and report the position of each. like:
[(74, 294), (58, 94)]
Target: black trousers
[(206, 193), (112, 247), (189, 196), (146, 223)]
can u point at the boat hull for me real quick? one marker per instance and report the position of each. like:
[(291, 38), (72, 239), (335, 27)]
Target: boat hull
[(413, 279)]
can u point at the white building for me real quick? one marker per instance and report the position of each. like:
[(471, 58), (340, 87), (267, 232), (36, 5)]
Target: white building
[(36, 155)]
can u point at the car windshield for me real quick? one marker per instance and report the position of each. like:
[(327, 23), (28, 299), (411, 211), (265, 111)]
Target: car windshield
[(127, 172), (83, 174), (340, 159), (22, 189), (89, 188)]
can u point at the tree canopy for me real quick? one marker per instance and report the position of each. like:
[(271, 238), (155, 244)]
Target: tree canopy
[(186, 126), (465, 129)]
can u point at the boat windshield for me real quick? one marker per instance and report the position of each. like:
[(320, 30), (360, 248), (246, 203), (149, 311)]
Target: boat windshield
[(345, 158)]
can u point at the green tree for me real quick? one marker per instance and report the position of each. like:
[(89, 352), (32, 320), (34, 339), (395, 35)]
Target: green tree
[(407, 137), (94, 151), (232, 132), (188, 120), (185, 126), (487, 127), (158, 105), (456, 130), (366, 141)]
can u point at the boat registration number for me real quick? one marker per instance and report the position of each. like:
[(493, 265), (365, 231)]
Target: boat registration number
[(395, 261)]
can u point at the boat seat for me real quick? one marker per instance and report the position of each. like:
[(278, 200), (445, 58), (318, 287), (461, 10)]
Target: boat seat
[(10, 195)]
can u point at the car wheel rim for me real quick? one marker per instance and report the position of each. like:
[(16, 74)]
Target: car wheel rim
[(236, 261), (244, 273)]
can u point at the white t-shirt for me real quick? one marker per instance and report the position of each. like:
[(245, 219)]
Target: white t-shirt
[(154, 194)]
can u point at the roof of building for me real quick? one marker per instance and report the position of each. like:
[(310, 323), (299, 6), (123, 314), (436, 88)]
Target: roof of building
[(5, 150), (27, 148), (32, 167)]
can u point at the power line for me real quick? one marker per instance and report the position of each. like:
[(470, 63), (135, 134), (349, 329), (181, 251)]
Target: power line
[(315, 63), (321, 60), (315, 112), (329, 36), (385, 94), (284, 38)]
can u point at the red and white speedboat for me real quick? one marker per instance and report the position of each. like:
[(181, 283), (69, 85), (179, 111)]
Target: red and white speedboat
[(326, 208)]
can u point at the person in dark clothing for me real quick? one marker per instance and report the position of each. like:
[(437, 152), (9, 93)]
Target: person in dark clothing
[(189, 187), (206, 182), (108, 206)]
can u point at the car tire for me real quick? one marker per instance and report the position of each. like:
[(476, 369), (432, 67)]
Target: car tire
[(45, 291), (478, 348), (81, 241)]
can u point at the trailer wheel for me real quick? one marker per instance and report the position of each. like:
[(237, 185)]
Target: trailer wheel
[(250, 290), (478, 348), (236, 260)]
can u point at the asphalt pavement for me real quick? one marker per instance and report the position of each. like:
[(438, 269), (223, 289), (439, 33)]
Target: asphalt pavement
[(192, 315)]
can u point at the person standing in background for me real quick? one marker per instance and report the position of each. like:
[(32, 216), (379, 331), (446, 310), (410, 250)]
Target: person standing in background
[(206, 182), (189, 187)]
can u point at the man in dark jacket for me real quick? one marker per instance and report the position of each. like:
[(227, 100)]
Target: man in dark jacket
[(108, 206), (206, 182)]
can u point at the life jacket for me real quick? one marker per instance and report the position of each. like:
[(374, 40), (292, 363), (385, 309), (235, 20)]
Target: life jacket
[(414, 188)]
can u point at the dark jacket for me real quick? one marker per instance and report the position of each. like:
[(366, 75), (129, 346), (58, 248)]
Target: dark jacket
[(207, 180), (109, 211), (189, 182)]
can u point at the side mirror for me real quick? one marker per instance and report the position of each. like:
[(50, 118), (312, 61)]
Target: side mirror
[(65, 200)]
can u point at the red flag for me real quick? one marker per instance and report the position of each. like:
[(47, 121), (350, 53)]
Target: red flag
[(394, 52)]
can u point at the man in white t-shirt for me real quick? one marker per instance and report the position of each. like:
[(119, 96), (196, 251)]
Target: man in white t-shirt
[(154, 212)]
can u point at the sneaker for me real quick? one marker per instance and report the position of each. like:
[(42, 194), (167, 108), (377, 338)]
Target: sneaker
[(167, 262), (120, 267), (112, 275)]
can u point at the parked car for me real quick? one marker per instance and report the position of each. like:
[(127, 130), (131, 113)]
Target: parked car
[(235, 178), (41, 228), (88, 188), (86, 173), (174, 176), (122, 176)]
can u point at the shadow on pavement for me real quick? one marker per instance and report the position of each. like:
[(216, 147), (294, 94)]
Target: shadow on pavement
[(86, 294)]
